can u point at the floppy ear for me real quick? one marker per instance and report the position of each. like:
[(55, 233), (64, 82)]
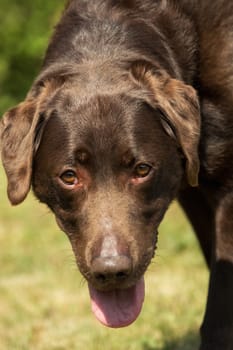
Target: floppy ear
[(179, 107), (20, 127)]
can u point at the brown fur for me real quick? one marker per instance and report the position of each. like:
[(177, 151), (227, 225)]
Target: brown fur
[(123, 84)]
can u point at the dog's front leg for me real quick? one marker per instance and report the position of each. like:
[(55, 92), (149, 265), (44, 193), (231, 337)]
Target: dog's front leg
[(217, 328)]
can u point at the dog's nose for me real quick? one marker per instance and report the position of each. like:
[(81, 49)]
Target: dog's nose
[(111, 269)]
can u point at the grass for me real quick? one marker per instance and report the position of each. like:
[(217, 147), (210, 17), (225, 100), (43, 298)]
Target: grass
[(44, 303)]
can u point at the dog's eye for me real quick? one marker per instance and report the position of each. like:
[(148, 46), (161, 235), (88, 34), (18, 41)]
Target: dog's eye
[(142, 170), (69, 177)]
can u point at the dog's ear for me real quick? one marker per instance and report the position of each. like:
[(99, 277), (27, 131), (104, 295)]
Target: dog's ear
[(179, 109), (20, 131)]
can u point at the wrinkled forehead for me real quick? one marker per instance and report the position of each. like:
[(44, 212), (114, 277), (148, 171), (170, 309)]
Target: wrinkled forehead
[(100, 117), (102, 125)]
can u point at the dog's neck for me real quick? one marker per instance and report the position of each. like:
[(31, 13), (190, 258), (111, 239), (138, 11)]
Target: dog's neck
[(117, 35)]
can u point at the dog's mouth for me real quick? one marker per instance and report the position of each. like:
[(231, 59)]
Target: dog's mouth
[(119, 307)]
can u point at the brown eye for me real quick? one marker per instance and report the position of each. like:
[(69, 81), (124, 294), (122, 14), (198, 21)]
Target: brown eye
[(142, 170), (69, 177)]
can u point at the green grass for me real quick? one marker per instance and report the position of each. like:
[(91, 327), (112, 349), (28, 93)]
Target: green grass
[(44, 303)]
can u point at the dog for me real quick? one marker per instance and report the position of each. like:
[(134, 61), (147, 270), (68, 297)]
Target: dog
[(133, 108)]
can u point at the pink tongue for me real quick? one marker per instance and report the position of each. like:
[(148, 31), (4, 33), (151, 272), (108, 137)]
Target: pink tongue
[(120, 307)]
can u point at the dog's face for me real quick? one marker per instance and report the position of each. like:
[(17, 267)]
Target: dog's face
[(108, 171), (107, 165)]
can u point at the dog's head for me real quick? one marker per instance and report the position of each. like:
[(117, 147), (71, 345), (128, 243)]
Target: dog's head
[(107, 153)]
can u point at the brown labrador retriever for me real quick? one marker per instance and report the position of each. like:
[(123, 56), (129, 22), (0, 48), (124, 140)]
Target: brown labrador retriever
[(133, 107)]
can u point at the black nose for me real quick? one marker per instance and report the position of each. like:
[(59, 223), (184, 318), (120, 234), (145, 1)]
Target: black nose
[(111, 269)]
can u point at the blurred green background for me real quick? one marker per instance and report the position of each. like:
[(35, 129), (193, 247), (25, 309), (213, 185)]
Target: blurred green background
[(44, 303), (25, 27)]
